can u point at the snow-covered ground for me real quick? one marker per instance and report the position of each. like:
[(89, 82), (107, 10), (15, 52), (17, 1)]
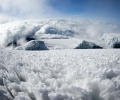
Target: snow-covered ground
[(60, 75)]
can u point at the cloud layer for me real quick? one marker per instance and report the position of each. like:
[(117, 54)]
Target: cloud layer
[(18, 33), (26, 8)]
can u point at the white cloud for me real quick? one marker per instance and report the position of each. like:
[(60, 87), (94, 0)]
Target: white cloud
[(6, 18), (26, 8), (3, 18)]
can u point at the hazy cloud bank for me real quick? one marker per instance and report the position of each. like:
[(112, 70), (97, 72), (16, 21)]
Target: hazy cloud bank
[(18, 33), (25, 8)]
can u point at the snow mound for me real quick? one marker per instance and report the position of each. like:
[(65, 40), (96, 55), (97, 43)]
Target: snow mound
[(33, 45), (87, 45), (112, 40)]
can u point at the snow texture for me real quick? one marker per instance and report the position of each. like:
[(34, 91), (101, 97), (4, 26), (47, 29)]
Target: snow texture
[(60, 75)]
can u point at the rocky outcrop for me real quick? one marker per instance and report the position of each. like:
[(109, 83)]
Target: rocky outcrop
[(112, 41), (87, 45), (33, 45)]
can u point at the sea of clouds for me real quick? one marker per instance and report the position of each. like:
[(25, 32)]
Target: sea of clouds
[(15, 34)]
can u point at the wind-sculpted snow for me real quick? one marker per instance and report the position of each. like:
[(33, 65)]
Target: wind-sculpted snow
[(60, 75), (18, 33)]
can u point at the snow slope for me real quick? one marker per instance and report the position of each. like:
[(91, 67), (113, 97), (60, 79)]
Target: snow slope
[(60, 75)]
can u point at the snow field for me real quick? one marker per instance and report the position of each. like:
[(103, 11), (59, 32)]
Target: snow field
[(60, 75)]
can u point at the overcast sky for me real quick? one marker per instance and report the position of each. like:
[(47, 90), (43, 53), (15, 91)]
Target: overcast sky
[(108, 10)]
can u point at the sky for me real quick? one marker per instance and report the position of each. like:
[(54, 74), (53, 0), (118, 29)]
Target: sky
[(107, 10)]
